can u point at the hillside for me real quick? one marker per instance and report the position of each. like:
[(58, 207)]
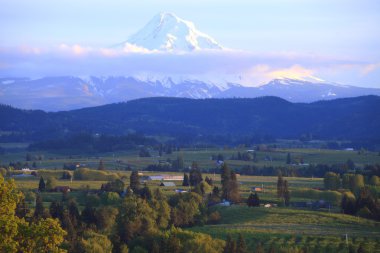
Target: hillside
[(350, 119)]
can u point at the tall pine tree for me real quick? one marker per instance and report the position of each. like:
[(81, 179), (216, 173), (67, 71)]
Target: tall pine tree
[(185, 180), (241, 247), (135, 181), (41, 185), (225, 178)]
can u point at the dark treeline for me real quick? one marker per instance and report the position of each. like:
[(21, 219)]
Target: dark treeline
[(87, 143), (318, 170)]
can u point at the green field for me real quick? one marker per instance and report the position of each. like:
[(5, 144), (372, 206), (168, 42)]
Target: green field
[(294, 228), (120, 160)]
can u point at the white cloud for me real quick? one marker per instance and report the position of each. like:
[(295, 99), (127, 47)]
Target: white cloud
[(247, 68)]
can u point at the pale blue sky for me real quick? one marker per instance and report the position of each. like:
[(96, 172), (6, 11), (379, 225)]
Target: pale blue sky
[(340, 29)]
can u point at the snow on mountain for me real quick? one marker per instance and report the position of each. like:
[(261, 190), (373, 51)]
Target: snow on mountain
[(167, 32), (67, 92)]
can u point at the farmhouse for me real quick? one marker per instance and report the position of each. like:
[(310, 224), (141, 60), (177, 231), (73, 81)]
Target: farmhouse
[(167, 184)]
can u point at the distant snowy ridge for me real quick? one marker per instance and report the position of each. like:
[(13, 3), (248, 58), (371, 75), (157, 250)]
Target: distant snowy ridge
[(167, 32), (68, 92)]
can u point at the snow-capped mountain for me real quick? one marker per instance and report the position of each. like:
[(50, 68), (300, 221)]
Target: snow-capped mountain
[(299, 91), (167, 32), (65, 93)]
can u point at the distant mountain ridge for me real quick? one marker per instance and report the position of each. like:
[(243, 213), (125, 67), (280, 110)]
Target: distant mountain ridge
[(69, 92), (190, 119)]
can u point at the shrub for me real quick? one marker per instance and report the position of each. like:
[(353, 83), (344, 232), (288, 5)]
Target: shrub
[(94, 175)]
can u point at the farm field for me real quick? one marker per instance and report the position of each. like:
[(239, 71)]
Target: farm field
[(121, 160), (295, 227)]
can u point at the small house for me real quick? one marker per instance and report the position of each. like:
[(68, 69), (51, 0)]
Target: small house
[(167, 184)]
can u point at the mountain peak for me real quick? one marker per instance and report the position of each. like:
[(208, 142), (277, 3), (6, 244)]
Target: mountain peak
[(167, 32)]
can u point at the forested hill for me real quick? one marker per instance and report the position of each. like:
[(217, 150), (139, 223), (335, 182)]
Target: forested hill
[(351, 118)]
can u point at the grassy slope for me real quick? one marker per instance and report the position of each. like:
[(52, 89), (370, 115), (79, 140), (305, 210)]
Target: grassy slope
[(292, 227)]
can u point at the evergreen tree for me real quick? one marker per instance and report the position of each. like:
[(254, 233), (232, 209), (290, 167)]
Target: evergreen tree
[(230, 186), (234, 194), (225, 180), (209, 181), (41, 185), (280, 186), (135, 182), (146, 193), (88, 214), (160, 150), (185, 180), (101, 165), (286, 193), (230, 245), (68, 226), (39, 210), (28, 157), (56, 210), (195, 175), (272, 249), (215, 195), (288, 159), (259, 248), (74, 213), (241, 247), (253, 200)]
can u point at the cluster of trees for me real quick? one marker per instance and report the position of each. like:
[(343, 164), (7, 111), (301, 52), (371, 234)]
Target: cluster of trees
[(20, 233), (311, 170), (364, 204), (117, 219), (360, 197), (245, 156), (353, 182), (235, 246), (49, 185)]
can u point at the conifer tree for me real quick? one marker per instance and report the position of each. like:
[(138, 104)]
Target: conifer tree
[(41, 185), (280, 186), (230, 245), (286, 193), (241, 247), (101, 165), (225, 178), (135, 181), (39, 210), (288, 159), (185, 180)]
